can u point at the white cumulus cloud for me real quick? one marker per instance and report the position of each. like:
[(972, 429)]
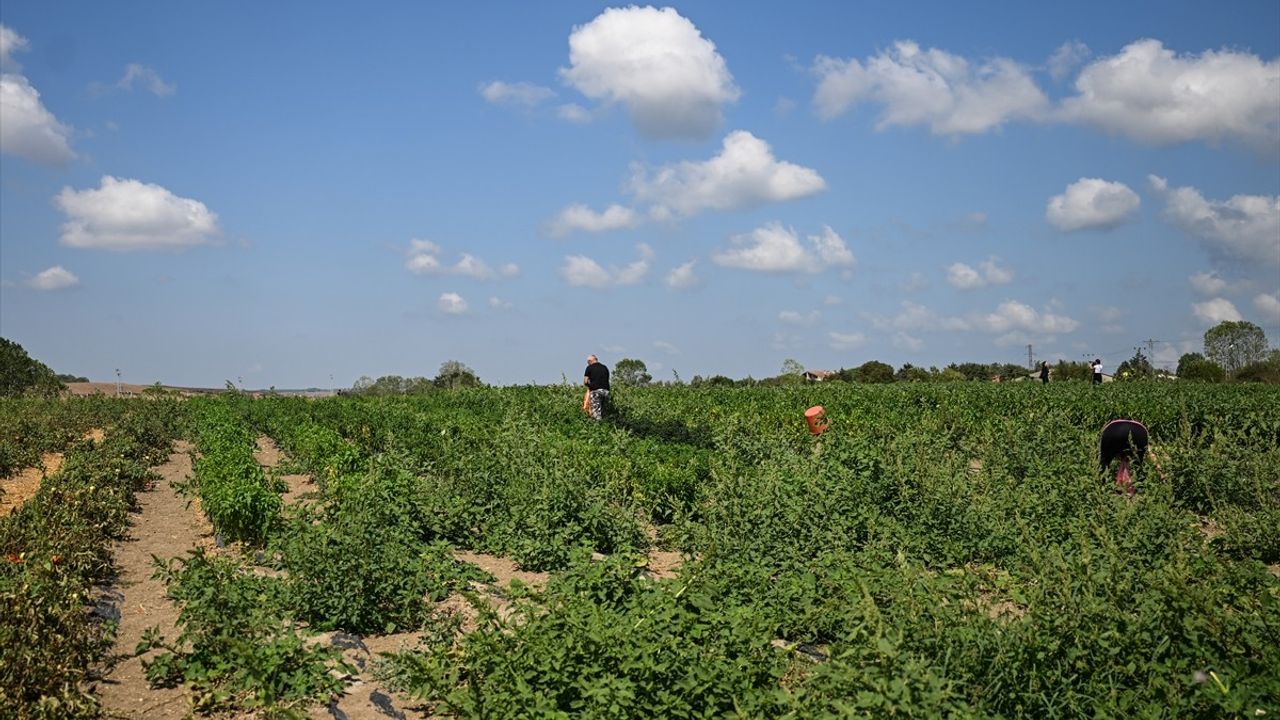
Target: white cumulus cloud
[(989, 272), (1153, 95), (916, 86), (1268, 306), (10, 42), (125, 214), (1207, 283), (683, 277), (581, 217), (1092, 204), (27, 128), (582, 271), (1012, 315), (656, 63), (522, 94), (903, 341), (498, 303), (1066, 58), (55, 278), (1215, 311), (574, 113), (1244, 229), (914, 316), (744, 174), (666, 347), (774, 248), (845, 341), (147, 77), (451, 303), (423, 258), (794, 317)]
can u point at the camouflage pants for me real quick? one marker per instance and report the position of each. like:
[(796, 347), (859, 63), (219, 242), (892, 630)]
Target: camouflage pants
[(598, 400)]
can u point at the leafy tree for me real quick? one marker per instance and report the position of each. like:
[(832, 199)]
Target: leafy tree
[(1066, 370), (1264, 371), (454, 374), (1194, 366), (66, 378), (911, 373), (630, 371), (1232, 345), (20, 374), (1137, 367), (949, 374), (874, 371), (791, 366)]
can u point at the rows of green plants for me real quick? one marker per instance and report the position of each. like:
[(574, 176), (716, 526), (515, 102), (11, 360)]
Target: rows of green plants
[(240, 499), (30, 427), (56, 548), (357, 558), (941, 550)]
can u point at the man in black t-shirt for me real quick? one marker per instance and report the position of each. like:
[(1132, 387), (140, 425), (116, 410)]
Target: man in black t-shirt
[(596, 379)]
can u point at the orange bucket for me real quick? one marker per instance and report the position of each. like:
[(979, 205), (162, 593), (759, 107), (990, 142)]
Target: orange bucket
[(815, 417)]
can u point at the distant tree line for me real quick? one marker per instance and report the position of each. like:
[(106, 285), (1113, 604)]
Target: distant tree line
[(452, 376)]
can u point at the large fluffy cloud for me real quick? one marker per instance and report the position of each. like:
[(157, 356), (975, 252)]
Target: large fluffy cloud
[(931, 87), (1092, 204), (582, 271), (778, 249), (657, 64), (132, 215), (27, 128), (1217, 310), (744, 174), (55, 278), (1244, 229), (1149, 93)]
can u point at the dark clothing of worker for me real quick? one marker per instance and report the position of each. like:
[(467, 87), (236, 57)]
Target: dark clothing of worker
[(1122, 439), (1044, 374), (597, 376)]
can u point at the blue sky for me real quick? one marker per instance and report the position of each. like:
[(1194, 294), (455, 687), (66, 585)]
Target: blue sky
[(286, 193)]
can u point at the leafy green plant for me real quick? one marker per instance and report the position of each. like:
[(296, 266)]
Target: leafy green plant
[(237, 649)]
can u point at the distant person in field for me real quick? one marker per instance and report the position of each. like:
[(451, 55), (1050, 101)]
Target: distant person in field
[(596, 379), (1044, 371), (1096, 367)]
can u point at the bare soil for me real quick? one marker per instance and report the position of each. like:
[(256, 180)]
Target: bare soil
[(270, 456), (22, 486), (161, 527), (504, 570)]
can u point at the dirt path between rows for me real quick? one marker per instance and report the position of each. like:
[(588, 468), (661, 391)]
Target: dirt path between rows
[(269, 457), (162, 526)]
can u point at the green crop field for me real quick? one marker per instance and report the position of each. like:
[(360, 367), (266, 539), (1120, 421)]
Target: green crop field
[(942, 550)]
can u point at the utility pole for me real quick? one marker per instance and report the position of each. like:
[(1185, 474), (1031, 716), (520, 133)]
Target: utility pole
[(1030, 360), (117, 382), (1151, 351)]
